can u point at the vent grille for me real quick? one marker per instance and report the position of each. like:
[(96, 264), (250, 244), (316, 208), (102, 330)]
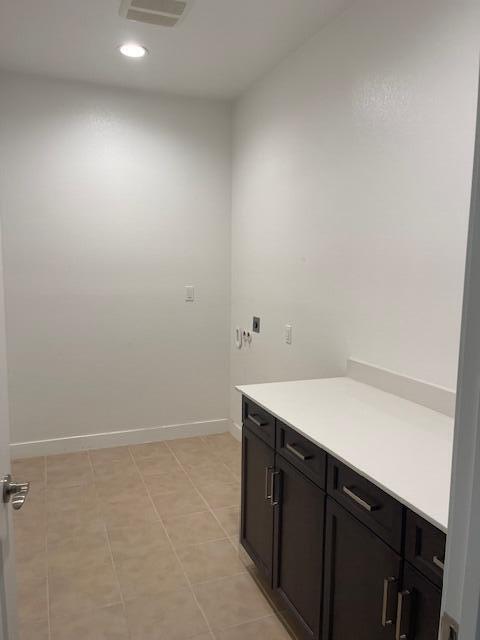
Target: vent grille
[(173, 7), (164, 13), (152, 18)]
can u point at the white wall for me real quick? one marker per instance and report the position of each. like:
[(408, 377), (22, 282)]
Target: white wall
[(350, 203), (351, 183), (111, 202)]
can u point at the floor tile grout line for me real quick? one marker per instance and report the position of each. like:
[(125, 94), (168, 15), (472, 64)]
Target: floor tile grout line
[(268, 596), (226, 467), (210, 509), (45, 506), (49, 622), (212, 455), (240, 624), (189, 582), (258, 584), (183, 515), (204, 542), (47, 586), (211, 580), (144, 481), (190, 586), (109, 545), (105, 532)]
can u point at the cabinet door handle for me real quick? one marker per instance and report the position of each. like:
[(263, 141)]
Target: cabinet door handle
[(386, 593), (400, 634), (256, 421), (296, 452), (268, 496), (363, 503), (439, 563), (273, 501)]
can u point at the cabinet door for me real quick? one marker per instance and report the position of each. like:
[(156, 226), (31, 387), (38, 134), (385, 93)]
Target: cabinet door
[(256, 531), (425, 548), (418, 613), (298, 552), (361, 580)]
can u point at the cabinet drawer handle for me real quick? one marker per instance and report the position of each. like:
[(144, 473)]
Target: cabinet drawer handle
[(403, 597), (439, 563), (386, 593), (296, 452), (256, 421), (363, 503), (268, 496), (273, 501)]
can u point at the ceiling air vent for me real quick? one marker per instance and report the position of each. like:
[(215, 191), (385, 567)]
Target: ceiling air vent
[(164, 13)]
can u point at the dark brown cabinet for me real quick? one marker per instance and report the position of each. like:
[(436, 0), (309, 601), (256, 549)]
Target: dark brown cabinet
[(425, 548), (256, 530), (298, 545), (418, 607), (362, 578), (381, 513), (347, 559), (302, 453), (261, 423)]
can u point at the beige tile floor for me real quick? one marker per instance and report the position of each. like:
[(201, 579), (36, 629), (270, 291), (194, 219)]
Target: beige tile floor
[(138, 543)]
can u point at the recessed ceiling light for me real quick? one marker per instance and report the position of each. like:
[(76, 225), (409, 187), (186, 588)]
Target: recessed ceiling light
[(132, 50)]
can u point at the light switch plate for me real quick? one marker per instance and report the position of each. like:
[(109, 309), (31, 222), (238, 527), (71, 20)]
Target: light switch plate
[(256, 324), (288, 333)]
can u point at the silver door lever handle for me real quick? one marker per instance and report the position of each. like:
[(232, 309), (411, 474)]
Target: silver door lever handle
[(16, 492)]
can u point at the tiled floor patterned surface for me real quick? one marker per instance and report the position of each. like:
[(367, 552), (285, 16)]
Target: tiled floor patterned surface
[(138, 543)]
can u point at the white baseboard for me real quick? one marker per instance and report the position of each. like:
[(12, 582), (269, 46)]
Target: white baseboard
[(429, 395), (117, 438), (236, 430)]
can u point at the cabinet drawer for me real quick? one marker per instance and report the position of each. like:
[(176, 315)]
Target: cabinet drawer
[(302, 453), (259, 421), (425, 547), (372, 506)]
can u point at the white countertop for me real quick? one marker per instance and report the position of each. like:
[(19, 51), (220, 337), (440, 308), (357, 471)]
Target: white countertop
[(402, 447)]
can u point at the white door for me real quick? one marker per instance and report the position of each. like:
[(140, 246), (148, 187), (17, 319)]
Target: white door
[(8, 619), (461, 595)]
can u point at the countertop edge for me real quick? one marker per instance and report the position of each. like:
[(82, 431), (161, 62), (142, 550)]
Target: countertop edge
[(439, 525)]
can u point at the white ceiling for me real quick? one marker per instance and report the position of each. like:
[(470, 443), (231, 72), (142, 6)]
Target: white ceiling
[(220, 48)]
